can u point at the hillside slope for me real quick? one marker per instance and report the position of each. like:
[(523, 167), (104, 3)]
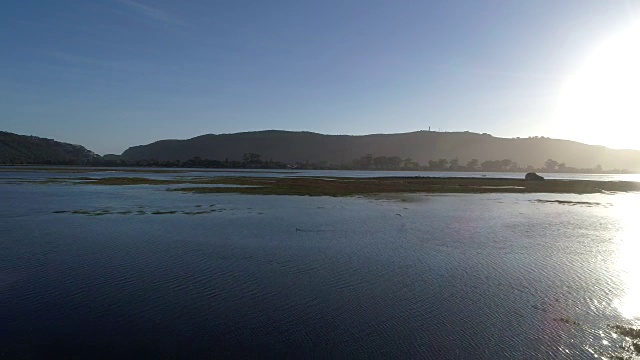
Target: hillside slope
[(22, 149), (421, 146)]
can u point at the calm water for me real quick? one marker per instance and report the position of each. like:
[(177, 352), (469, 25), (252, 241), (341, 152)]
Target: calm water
[(7, 171), (447, 276)]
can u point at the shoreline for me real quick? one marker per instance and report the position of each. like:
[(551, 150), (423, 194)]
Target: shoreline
[(154, 169)]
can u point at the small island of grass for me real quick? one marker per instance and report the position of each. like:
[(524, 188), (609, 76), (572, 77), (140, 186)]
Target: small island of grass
[(335, 186)]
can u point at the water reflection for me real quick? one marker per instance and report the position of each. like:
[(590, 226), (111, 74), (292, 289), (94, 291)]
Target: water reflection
[(628, 254)]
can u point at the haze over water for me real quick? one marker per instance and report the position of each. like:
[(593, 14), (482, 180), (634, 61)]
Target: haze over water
[(169, 274)]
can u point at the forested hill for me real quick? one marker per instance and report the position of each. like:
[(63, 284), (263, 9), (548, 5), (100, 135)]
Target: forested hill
[(420, 146), (21, 149)]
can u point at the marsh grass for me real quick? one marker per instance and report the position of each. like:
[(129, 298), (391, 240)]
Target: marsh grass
[(572, 203), (632, 347), (367, 186), (627, 331), (139, 210), (198, 212), (127, 181), (92, 212), (567, 320), (307, 186)]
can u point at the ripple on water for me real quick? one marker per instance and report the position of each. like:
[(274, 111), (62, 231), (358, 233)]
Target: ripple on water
[(482, 276)]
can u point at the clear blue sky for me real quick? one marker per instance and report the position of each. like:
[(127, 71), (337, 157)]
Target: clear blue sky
[(113, 74)]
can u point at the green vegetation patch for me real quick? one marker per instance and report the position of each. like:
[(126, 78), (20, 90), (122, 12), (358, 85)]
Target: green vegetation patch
[(632, 347), (627, 331), (140, 211), (307, 186), (92, 212), (571, 203), (198, 212), (567, 320), (127, 181), (382, 185)]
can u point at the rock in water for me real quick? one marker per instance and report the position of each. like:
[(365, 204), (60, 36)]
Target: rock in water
[(533, 176)]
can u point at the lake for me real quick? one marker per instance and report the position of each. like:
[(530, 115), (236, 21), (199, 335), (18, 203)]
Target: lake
[(90, 271)]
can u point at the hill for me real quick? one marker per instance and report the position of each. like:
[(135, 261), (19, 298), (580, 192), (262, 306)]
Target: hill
[(421, 146), (22, 149)]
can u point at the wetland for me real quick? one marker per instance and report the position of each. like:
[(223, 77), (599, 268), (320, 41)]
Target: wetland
[(194, 264)]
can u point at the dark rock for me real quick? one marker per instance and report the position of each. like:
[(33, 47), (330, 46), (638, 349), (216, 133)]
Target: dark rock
[(533, 176)]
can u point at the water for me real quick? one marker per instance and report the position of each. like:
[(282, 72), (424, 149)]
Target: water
[(407, 276), (7, 171)]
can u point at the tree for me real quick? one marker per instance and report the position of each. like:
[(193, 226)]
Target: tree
[(505, 164), (251, 158), (473, 164), (562, 167), (366, 161), (394, 162), (409, 164), (440, 164), (454, 164), (491, 165), (550, 165)]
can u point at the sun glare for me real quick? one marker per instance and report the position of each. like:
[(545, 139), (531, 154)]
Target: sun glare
[(600, 102), (628, 253)]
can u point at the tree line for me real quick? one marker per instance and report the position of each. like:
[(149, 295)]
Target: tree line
[(366, 162)]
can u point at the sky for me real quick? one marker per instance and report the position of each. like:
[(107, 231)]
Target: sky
[(117, 73)]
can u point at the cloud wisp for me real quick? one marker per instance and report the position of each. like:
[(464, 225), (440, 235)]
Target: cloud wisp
[(152, 13)]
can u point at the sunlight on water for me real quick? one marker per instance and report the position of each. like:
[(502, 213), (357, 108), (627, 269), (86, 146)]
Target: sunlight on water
[(628, 255)]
